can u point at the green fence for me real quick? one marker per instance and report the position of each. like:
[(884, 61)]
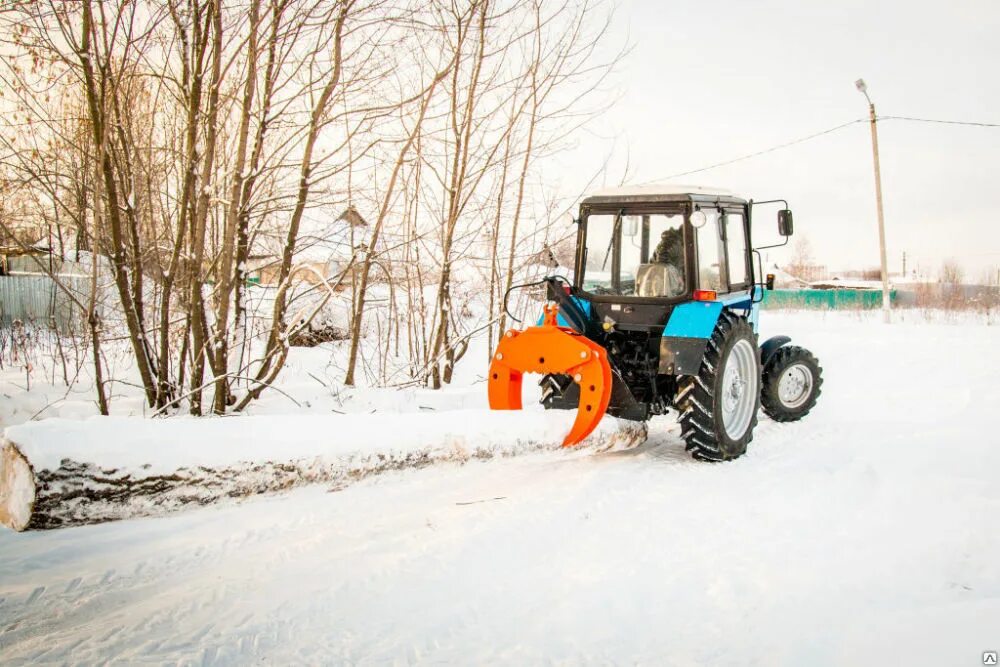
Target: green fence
[(825, 299)]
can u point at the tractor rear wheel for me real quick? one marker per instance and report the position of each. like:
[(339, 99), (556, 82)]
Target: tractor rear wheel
[(719, 405), (791, 384)]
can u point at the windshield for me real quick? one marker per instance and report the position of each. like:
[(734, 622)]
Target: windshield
[(635, 255)]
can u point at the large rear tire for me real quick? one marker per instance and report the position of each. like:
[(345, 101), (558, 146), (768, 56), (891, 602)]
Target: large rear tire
[(719, 405), (791, 384)]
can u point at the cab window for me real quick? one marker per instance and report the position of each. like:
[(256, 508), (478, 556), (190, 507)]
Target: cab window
[(736, 250), (653, 256), (711, 271), (597, 272), (635, 255)]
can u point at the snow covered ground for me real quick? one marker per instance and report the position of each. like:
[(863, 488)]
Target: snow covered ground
[(867, 534)]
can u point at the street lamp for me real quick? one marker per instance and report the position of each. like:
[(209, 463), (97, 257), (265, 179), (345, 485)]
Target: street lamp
[(861, 86)]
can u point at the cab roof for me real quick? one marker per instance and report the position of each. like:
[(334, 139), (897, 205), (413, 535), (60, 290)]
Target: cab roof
[(662, 193)]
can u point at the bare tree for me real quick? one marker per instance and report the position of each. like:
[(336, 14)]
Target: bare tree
[(951, 279), (176, 138), (370, 250), (802, 265)]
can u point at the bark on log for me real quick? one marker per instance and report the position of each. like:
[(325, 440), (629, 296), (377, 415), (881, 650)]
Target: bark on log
[(41, 494)]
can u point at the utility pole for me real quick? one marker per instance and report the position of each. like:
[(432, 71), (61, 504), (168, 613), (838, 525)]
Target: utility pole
[(860, 84), (904, 264)]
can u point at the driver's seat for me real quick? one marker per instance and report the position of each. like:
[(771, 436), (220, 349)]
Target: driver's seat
[(659, 280)]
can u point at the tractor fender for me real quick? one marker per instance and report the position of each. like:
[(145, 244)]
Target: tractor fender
[(771, 346), (686, 335), (681, 355)]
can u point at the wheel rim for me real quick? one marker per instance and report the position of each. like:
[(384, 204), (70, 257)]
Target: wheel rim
[(795, 385), (739, 389)]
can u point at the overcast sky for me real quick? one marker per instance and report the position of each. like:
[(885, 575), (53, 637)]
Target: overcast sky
[(708, 81)]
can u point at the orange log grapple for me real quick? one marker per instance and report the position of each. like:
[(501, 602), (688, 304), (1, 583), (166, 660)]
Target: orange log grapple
[(550, 348)]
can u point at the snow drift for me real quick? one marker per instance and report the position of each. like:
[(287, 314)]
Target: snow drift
[(59, 472)]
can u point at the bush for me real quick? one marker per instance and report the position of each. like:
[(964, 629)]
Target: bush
[(314, 335)]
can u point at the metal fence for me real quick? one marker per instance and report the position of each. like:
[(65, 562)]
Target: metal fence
[(822, 299), (37, 300), (929, 295)]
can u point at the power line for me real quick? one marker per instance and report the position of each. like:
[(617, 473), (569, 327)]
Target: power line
[(945, 122), (816, 135), (762, 152)]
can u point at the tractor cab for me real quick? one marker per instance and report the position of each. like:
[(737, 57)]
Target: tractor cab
[(662, 246), (666, 298)]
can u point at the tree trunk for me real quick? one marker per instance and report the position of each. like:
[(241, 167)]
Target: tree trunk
[(227, 280), (130, 471), (98, 119), (201, 340)]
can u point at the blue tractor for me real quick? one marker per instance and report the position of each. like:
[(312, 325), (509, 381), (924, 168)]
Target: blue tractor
[(662, 315)]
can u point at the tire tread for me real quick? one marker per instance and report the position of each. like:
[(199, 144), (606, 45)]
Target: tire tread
[(696, 395), (780, 360)]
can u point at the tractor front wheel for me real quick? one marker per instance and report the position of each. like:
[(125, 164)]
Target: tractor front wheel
[(719, 405), (791, 384)]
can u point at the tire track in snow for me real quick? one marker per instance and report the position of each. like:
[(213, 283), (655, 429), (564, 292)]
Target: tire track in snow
[(35, 594), (94, 595)]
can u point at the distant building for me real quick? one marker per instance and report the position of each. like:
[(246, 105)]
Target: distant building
[(807, 272), (323, 251), (785, 280), (845, 283)]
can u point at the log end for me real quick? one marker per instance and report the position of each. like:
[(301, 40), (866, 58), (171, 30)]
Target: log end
[(17, 487)]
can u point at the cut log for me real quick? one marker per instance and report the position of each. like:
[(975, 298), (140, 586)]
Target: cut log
[(59, 473)]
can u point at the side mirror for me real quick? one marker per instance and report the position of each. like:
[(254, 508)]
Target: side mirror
[(785, 222)]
